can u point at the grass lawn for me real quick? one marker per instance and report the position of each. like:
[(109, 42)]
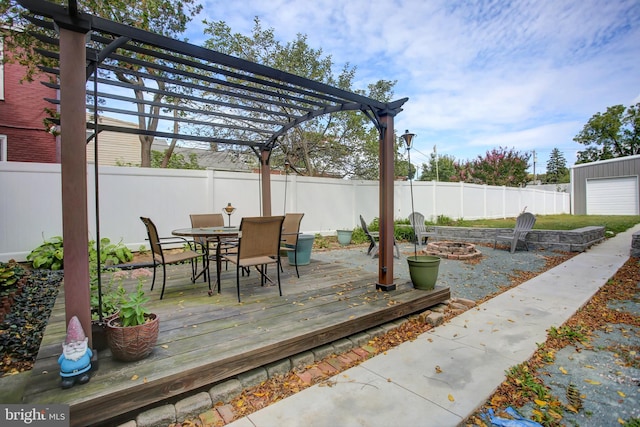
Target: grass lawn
[(613, 223)]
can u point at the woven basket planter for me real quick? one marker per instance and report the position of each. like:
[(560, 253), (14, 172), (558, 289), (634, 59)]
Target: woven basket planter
[(132, 343)]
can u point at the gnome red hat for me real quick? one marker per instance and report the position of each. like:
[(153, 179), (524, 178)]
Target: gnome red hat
[(75, 332)]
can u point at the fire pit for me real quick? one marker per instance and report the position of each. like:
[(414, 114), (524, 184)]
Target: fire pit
[(452, 250)]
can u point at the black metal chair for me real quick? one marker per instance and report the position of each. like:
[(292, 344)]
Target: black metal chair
[(161, 258)]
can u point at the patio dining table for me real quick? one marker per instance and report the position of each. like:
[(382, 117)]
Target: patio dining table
[(217, 234)]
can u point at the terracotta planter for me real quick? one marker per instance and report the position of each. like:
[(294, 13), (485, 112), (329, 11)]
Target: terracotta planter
[(132, 343)]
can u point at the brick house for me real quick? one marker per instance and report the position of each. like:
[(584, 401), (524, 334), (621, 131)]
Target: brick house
[(23, 137)]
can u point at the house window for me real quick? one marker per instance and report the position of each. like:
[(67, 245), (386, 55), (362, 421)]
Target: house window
[(3, 148)]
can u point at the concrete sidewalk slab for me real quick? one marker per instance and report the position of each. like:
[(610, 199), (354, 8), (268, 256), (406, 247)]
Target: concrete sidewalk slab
[(443, 376)]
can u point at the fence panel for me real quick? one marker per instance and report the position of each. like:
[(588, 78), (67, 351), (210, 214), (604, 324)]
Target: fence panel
[(31, 208)]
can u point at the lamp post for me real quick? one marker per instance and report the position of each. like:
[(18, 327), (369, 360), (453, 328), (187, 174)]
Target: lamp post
[(229, 210), (408, 140), (286, 175)]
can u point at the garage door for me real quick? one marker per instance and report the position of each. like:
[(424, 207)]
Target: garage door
[(612, 196)]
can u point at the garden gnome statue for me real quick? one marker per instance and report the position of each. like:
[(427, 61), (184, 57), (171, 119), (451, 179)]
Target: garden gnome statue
[(75, 360)]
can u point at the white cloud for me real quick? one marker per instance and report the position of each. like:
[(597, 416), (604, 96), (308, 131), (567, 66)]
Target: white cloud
[(479, 74)]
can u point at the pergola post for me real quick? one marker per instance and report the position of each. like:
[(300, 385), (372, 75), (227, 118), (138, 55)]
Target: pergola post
[(265, 170), (387, 175), (75, 229)]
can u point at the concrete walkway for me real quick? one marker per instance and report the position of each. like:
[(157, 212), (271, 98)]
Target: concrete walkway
[(443, 376)]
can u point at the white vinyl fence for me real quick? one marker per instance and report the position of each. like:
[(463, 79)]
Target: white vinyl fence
[(31, 210)]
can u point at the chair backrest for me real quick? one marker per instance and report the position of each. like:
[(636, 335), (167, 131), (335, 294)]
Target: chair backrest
[(363, 224), (207, 220), (525, 221), (154, 240), (260, 236), (416, 219), (291, 228)]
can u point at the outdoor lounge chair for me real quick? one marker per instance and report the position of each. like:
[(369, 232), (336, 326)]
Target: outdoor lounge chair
[(416, 219), (258, 247), (524, 223), (290, 233), (373, 240), (161, 258)]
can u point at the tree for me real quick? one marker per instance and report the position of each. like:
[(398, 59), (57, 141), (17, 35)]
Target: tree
[(342, 144), (616, 133), (444, 171), (499, 166), (557, 171), (167, 17)]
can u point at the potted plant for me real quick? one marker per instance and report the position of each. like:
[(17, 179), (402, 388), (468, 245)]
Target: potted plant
[(134, 332), (423, 269), (344, 236), (105, 303)]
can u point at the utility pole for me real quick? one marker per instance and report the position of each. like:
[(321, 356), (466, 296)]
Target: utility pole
[(435, 153)]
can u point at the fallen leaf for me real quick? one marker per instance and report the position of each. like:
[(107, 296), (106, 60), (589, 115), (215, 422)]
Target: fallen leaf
[(589, 367), (164, 346), (592, 382), (135, 377), (621, 394), (564, 371), (438, 370), (540, 402), (451, 399)]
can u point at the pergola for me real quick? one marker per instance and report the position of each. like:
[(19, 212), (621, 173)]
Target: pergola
[(237, 102)]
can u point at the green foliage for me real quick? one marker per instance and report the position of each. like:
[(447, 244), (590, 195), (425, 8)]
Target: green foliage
[(530, 386), (567, 333), (632, 422), (445, 220), (177, 161), (343, 144), (112, 292), (557, 171), (132, 309), (612, 223), (615, 133), (49, 255), (10, 273), (320, 241), (443, 170), (110, 253), (500, 166)]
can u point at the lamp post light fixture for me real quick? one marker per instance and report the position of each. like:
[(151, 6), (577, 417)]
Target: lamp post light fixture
[(229, 210)]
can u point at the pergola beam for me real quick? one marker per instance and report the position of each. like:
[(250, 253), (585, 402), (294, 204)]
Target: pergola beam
[(244, 93)]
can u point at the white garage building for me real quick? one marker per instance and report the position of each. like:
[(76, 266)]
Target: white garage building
[(607, 187)]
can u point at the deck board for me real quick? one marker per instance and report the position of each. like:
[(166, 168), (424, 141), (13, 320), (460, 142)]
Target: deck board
[(206, 339)]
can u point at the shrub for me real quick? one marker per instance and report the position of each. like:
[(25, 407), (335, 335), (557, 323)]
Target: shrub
[(50, 254)]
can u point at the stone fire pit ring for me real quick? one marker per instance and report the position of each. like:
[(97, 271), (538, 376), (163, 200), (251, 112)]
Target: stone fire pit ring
[(452, 250)]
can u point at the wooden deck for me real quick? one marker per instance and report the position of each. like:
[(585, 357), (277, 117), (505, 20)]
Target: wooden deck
[(204, 340)]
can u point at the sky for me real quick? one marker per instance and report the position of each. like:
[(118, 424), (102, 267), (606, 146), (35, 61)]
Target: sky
[(479, 75)]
